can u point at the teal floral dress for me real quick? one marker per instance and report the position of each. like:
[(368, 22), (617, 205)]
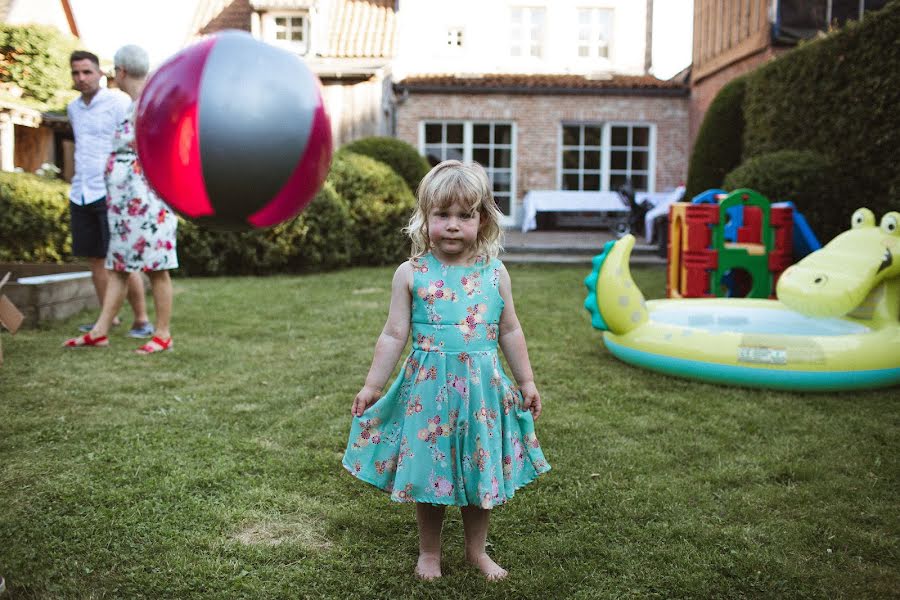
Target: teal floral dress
[(451, 429)]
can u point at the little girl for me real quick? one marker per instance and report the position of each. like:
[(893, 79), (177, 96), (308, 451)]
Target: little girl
[(452, 429)]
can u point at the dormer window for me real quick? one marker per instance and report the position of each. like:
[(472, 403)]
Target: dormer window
[(290, 30)]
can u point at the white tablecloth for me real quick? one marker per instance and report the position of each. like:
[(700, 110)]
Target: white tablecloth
[(565, 200), (569, 201), (661, 202)]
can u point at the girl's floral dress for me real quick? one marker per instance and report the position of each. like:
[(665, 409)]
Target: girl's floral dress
[(451, 429), (141, 226)]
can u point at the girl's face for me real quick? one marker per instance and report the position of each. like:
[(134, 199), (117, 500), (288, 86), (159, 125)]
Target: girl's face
[(453, 233)]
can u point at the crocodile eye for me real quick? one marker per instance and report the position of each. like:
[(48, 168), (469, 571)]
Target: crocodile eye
[(863, 217), (890, 223)]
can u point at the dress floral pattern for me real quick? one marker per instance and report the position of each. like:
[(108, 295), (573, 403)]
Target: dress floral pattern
[(141, 226), (451, 429)]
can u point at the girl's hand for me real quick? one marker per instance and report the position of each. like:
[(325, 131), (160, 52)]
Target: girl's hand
[(365, 398), (532, 399)]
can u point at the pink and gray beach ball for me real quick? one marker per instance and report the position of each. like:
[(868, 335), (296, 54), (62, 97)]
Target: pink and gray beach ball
[(233, 134)]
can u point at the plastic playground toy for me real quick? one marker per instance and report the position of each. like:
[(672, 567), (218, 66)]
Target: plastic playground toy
[(733, 244), (834, 327)]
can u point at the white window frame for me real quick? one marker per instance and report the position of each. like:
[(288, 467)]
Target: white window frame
[(593, 31), (270, 30), (468, 146), (606, 152), (529, 33)]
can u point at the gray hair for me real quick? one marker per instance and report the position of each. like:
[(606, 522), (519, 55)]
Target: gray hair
[(133, 60)]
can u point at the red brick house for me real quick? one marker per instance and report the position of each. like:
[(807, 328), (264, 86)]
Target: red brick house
[(547, 95)]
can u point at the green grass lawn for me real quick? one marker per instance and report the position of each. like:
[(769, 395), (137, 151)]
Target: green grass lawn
[(214, 470)]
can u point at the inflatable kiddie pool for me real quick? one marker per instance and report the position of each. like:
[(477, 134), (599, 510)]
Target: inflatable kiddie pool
[(834, 327)]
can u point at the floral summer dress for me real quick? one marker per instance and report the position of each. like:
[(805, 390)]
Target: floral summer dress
[(141, 226), (451, 429)]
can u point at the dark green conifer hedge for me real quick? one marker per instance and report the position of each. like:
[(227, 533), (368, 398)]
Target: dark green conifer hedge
[(836, 97), (719, 143)]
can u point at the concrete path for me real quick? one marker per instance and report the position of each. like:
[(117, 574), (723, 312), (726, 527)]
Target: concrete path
[(568, 247)]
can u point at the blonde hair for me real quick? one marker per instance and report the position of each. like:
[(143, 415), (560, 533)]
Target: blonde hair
[(454, 181)]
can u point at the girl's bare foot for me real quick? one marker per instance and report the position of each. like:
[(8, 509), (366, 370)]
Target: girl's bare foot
[(429, 566), (486, 565)]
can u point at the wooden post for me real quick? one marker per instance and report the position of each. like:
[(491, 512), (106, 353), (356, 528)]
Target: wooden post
[(7, 142)]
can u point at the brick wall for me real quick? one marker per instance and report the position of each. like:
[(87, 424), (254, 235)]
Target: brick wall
[(703, 92), (538, 119)]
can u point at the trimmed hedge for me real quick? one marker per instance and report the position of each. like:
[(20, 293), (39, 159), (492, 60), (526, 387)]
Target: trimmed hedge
[(804, 177), (397, 154), (380, 206), (838, 96), (719, 145), (34, 226), (317, 239)]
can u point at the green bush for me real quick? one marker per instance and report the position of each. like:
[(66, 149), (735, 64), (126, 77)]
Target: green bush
[(319, 238), (397, 154), (36, 59), (813, 182), (718, 147), (380, 206), (837, 96), (35, 218)]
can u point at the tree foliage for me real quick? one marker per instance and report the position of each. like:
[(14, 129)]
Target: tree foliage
[(35, 58)]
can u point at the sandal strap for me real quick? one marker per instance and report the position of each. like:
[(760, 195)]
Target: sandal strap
[(161, 345), (164, 344), (87, 340)]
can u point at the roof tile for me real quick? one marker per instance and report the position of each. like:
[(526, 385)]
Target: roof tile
[(483, 82)]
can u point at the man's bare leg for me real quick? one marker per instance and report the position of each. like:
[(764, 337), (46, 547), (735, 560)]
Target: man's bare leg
[(137, 299)]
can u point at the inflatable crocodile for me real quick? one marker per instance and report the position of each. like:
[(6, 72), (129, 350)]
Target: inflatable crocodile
[(835, 326)]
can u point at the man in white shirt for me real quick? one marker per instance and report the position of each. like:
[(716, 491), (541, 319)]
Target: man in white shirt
[(94, 117)]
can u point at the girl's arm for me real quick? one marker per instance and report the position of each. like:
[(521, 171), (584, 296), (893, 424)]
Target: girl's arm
[(391, 341), (512, 342)]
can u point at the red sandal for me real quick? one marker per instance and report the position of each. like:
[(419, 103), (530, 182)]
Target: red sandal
[(157, 344), (86, 341)]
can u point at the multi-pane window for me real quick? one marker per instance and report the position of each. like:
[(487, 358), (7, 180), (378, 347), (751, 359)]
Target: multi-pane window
[(602, 156), (292, 30), (455, 37), (488, 143), (629, 156), (582, 154), (526, 34), (594, 32), (444, 141)]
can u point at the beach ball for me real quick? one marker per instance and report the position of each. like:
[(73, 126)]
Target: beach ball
[(233, 134)]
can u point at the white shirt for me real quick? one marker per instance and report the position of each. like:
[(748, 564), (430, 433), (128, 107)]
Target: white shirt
[(94, 125)]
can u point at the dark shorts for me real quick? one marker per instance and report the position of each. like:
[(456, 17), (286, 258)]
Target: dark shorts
[(90, 229)]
